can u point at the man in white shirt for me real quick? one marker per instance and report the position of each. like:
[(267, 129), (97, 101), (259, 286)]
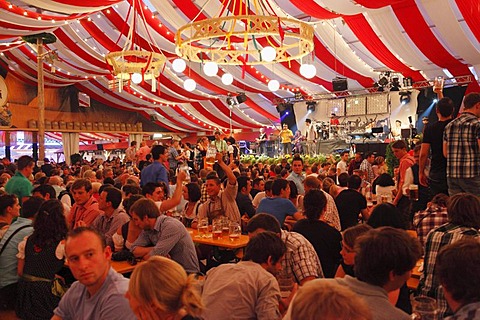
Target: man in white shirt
[(311, 136), (342, 165)]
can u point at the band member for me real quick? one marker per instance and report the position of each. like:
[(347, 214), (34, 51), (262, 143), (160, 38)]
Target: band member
[(297, 142), (311, 137), (334, 120), (397, 130), (286, 135), (262, 142)]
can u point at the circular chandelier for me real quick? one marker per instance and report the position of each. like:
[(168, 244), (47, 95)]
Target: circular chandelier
[(211, 39), (131, 63)]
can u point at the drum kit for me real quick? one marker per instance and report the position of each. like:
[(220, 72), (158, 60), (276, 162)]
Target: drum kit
[(344, 130)]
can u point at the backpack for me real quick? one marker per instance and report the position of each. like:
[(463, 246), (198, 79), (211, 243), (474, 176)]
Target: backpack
[(64, 192)]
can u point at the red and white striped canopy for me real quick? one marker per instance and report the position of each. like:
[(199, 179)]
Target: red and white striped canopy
[(353, 38)]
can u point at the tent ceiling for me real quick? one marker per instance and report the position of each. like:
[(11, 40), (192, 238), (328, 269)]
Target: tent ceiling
[(419, 39)]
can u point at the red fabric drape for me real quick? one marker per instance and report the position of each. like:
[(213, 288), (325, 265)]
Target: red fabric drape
[(419, 32), (364, 32), (470, 11), (377, 4)]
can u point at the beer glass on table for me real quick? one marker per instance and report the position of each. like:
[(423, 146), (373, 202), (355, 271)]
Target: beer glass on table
[(234, 231), (424, 308), (203, 227), (217, 229)]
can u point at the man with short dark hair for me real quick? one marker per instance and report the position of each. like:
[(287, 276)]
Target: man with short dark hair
[(130, 153), (458, 268), (244, 202), (342, 164), (100, 291), (162, 235), (247, 289), (18, 230), (464, 223), (433, 141), (355, 162), (258, 185), (19, 184), (113, 217), (403, 203), (384, 261), (301, 262), (461, 147), (351, 203), (220, 203), (156, 171), (311, 137), (263, 194), (366, 167), (297, 174), (85, 209), (279, 205)]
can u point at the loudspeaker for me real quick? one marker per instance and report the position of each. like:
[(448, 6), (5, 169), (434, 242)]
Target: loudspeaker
[(377, 130), (340, 84), (241, 98)]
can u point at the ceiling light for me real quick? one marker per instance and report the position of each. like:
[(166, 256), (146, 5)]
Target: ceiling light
[(227, 79), (189, 85), (136, 78), (179, 65), (273, 85), (268, 54), (210, 68)]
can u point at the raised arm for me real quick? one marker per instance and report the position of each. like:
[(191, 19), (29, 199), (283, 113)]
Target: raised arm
[(230, 176)]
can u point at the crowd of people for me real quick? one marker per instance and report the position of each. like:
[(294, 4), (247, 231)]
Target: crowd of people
[(327, 240)]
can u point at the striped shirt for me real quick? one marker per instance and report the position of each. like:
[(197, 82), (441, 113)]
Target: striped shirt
[(463, 152)]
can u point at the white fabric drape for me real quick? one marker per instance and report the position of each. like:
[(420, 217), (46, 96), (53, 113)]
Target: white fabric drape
[(71, 145)]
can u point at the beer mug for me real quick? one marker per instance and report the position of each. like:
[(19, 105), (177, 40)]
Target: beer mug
[(424, 308), (217, 229), (234, 231), (413, 188), (203, 227), (438, 83), (211, 154)]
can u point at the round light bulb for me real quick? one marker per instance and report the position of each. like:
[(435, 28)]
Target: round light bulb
[(227, 79), (310, 72), (189, 85), (136, 78), (268, 54), (273, 85), (179, 65), (210, 68)]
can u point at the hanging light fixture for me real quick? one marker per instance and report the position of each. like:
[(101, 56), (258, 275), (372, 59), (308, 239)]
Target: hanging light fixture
[(179, 65), (227, 79), (235, 36), (273, 85), (210, 68), (189, 85), (133, 63)]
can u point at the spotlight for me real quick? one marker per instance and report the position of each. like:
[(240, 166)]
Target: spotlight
[(383, 81), (241, 98), (405, 97), (230, 101), (407, 82), (395, 84), (311, 106), (435, 100), (298, 96), (286, 113)]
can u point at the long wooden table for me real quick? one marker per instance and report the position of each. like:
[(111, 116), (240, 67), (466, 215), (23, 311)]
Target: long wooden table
[(412, 283), (124, 266), (223, 242)]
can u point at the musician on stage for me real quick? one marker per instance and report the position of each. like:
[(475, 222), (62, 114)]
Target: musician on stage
[(297, 142), (262, 142), (311, 137), (334, 120), (286, 135), (397, 130)]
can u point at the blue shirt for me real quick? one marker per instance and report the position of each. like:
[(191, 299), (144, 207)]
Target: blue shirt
[(8, 259), (155, 172), (280, 208), (298, 179), (108, 303)]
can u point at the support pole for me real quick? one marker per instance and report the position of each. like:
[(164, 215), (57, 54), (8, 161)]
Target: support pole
[(41, 101)]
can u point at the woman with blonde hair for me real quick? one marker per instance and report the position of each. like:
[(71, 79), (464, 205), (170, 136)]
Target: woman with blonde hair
[(173, 297), (329, 300)]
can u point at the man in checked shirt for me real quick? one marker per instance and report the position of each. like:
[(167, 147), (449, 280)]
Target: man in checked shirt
[(461, 147)]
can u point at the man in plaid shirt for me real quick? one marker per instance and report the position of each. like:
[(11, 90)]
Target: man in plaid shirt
[(461, 147), (433, 217), (464, 223)]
